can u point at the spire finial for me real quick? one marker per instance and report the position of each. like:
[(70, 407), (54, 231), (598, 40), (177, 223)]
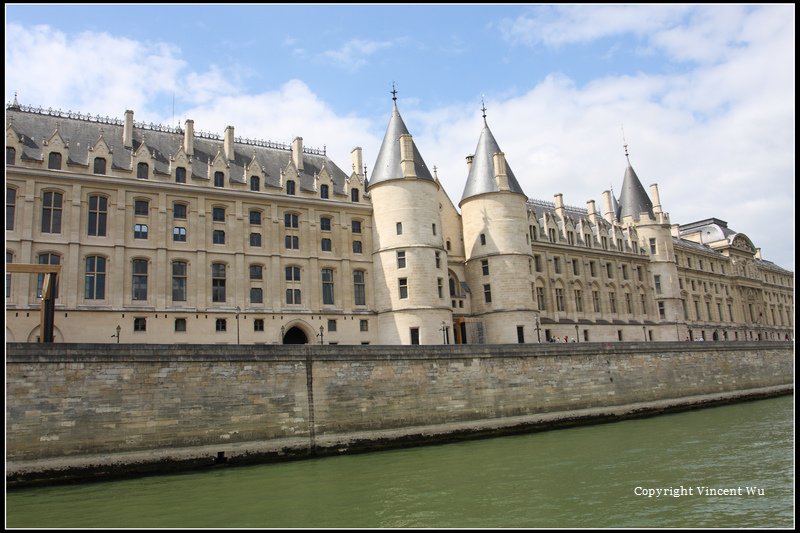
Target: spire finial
[(483, 108), (435, 174), (394, 93), (625, 144)]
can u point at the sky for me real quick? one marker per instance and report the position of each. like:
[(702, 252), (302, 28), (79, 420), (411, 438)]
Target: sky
[(703, 95)]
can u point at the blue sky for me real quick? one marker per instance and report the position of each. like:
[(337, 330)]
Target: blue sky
[(705, 93)]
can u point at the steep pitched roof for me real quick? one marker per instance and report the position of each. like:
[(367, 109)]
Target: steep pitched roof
[(481, 172), (633, 199), (387, 165)]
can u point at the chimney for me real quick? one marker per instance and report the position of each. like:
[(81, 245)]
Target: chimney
[(407, 156), (358, 161), (188, 138), (469, 160), (758, 254), (127, 132), (500, 176), (656, 198), (228, 143), (608, 212), (559, 201), (297, 153)]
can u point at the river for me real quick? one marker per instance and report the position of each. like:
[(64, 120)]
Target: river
[(730, 466)]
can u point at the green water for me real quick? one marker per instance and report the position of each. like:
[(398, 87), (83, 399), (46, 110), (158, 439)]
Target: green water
[(583, 477)]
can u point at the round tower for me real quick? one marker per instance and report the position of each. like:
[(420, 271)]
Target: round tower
[(498, 253), (409, 258)]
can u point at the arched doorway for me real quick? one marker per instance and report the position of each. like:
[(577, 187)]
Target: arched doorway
[(295, 335)]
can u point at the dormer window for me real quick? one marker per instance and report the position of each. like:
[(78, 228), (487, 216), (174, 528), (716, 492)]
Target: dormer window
[(290, 187), (54, 161)]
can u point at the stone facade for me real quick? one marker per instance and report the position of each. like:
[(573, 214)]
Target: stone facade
[(182, 237)]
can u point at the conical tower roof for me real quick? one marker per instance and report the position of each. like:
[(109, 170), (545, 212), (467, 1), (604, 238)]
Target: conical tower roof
[(633, 199), (387, 166), (481, 172)]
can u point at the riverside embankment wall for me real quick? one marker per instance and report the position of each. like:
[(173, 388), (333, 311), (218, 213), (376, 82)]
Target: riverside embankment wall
[(77, 411)]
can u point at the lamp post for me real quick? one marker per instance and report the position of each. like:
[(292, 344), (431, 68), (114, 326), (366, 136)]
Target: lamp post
[(538, 337), (321, 335), (119, 328), (238, 310)]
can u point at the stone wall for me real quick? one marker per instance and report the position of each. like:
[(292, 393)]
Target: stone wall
[(76, 408)]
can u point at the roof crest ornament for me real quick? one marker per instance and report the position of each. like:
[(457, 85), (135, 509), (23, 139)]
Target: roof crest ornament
[(625, 144), (483, 109), (394, 93)]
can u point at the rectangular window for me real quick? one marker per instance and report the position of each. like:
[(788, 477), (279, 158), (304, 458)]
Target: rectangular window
[(483, 239), (433, 228), (141, 207), (142, 171), (219, 179), (537, 262), (292, 273), (290, 220), (657, 280), (399, 226), (179, 234), (218, 214), (520, 334), (180, 324), (624, 271), (331, 324), (291, 242), (403, 286), (414, 335), (139, 279), (258, 324), (293, 296), (557, 265), (324, 191), (438, 260), (218, 282), (180, 175), (612, 301), (485, 267), (610, 270), (256, 295), (363, 325), (99, 165), (356, 226), (325, 224), (552, 234), (256, 272), (652, 247), (593, 269), (326, 245), (560, 300), (579, 300), (11, 207), (140, 324), (628, 303), (95, 280), (218, 236), (327, 286), (54, 161), (255, 240), (401, 259), (596, 301), (178, 281), (221, 324), (98, 213), (359, 289), (179, 211), (140, 231), (255, 218), (661, 312), (51, 212), (487, 293), (440, 287), (576, 267), (541, 302), (357, 247)]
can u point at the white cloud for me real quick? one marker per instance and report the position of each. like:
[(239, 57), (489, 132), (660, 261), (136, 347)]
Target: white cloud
[(353, 54)]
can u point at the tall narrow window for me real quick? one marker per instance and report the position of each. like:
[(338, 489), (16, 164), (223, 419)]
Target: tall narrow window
[(179, 211), (142, 171), (485, 267), (11, 207), (11, 155), (657, 281), (180, 177), (46, 259), (141, 207), (255, 183), (399, 227), (99, 165), (359, 288), (178, 281), (54, 161), (9, 259), (51, 212), (403, 286), (560, 300), (440, 287), (596, 301), (579, 300), (139, 279), (414, 332), (219, 179), (290, 187), (327, 286), (652, 247), (401, 259), (95, 278), (487, 293), (354, 195), (218, 282), (98, 213), (483, 239), (323, 191)]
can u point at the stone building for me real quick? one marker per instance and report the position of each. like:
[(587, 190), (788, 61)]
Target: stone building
[(169, 235)]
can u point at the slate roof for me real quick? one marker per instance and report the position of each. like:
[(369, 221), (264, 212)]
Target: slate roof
[(387, 165), (481, 177), (35, 126), (633, 199)]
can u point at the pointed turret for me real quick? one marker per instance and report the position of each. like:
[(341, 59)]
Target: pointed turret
[(388, 165), (633, 200), (482, 175)]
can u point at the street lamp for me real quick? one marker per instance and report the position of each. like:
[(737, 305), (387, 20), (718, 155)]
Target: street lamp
[(119, 328), (238, 309)]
